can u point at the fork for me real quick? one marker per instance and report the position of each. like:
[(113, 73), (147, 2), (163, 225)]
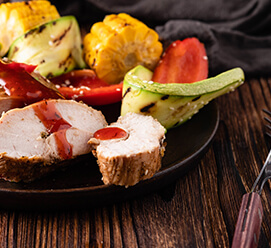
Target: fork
[(265, 173), (248, 226), (268, 121)]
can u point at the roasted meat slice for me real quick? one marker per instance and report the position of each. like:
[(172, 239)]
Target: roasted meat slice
[(127, 159), (34, 140)]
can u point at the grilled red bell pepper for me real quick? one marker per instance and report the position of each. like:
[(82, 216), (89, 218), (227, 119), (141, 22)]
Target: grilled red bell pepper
[(19, 81), (84, 85), (182, 62)]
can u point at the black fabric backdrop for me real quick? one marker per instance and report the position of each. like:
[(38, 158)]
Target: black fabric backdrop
[(236, 33)]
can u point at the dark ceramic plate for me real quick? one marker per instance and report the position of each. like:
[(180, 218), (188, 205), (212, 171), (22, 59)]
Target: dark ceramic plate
[(80, 185)]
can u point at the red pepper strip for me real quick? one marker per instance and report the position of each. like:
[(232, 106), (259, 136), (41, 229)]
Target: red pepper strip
[(16, 80), (84, 85), (96, 96), (18, 66), (182, 62)]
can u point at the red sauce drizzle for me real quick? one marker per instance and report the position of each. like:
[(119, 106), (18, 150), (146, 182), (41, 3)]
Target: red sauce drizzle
[(54, 123), (108, 133)]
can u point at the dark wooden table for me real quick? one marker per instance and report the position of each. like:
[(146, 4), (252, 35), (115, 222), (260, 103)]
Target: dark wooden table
[(200, 209)]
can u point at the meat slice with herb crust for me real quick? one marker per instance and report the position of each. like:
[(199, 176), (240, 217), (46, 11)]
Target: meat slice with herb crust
[(36, 139), (127, 159)]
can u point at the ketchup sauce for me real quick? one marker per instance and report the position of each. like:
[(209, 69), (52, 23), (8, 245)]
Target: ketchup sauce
[(108, 133), (54, 123)]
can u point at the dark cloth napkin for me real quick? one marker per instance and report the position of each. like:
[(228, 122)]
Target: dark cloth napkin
[(236, 33)]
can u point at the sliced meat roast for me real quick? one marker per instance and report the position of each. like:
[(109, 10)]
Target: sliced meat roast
[(127, 159), (34, 140)]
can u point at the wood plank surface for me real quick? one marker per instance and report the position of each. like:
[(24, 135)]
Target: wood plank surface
[(200, 209)]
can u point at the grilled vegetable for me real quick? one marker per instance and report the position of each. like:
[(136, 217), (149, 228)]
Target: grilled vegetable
[(20, 83), (85, 86), (18, 17), (173, 104), (55, 47), (183, 62), (118, 44)]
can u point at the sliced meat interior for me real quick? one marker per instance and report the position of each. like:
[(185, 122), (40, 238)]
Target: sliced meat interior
[(127, 159), (34, 139)]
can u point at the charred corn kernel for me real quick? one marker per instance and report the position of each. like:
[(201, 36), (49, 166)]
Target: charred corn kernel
[(118, 44), (18, 17)]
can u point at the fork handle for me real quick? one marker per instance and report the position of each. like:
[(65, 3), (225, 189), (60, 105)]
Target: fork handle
[(248, 226)]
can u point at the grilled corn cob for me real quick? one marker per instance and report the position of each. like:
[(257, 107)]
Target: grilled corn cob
[(18, 17), (118, 44)]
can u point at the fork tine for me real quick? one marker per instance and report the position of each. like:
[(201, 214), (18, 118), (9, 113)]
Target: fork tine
[(267, 111), (269, 121)]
